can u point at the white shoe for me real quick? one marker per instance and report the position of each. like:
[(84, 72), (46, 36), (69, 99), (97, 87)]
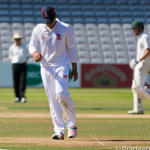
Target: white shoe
[(72, 133), (16, 100), (23, 100), (134, 112), (58, 136)]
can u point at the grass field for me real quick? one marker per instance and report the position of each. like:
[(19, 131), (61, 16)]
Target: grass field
[(102, 119)]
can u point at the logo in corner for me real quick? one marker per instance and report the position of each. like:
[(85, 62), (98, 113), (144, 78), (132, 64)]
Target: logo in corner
[(65, 76), (58, 36)]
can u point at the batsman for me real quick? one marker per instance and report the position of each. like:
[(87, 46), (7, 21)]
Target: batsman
[(141, 67)]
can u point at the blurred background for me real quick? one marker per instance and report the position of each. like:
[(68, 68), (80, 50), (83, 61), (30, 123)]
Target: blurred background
[(104, 41), (102, 96)]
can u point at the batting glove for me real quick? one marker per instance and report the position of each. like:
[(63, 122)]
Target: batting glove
[(133, 63)]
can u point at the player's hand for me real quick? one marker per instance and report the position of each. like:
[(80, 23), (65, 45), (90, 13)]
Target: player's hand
[(133, 63), (74, 75), (37, 56)]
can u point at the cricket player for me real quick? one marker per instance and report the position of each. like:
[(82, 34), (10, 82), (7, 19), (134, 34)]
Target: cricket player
[(141, 67), (52, 44)]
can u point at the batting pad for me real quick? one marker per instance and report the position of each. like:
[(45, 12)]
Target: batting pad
[(142, 93)]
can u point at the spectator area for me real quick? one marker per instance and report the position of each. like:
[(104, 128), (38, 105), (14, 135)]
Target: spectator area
[(101, 27)]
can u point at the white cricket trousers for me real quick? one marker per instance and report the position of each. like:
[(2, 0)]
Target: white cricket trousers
[(140, 72), (56, 87)]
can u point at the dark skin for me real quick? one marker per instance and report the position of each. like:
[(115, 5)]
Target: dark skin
[(74, 73), (18, 42), (38, 57), (137, 32)]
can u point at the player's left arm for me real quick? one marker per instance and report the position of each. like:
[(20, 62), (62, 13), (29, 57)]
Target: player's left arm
[(72, 52), (146, 44), (146, 53), (74, 73), (10, 53)]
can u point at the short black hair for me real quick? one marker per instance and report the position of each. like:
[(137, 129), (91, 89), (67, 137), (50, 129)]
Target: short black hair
[(137, 24)]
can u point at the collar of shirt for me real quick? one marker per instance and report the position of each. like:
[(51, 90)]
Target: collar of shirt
[(15, 46), (141, 34)]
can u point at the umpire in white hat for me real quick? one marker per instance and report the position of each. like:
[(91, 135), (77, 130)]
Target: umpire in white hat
[(18, 54)]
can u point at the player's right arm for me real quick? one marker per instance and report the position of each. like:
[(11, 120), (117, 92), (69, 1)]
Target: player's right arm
[(34, 44)]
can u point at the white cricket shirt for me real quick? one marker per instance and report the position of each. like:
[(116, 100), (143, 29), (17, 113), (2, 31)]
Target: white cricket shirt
[(18, 54), (143, 43), (56, 45)]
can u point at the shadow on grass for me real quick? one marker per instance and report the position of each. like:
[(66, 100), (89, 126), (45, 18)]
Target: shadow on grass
[(127, 140), (100, 108)]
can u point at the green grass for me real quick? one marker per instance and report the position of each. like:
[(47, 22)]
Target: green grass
[(122, 129), (93, 101), (35, 147), (85, 100)]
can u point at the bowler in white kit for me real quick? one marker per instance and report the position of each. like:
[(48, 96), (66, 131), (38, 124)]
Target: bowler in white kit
[(53, 45), (141, 67)]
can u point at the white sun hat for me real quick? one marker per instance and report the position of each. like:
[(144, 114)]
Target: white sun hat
[(17, 36)]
